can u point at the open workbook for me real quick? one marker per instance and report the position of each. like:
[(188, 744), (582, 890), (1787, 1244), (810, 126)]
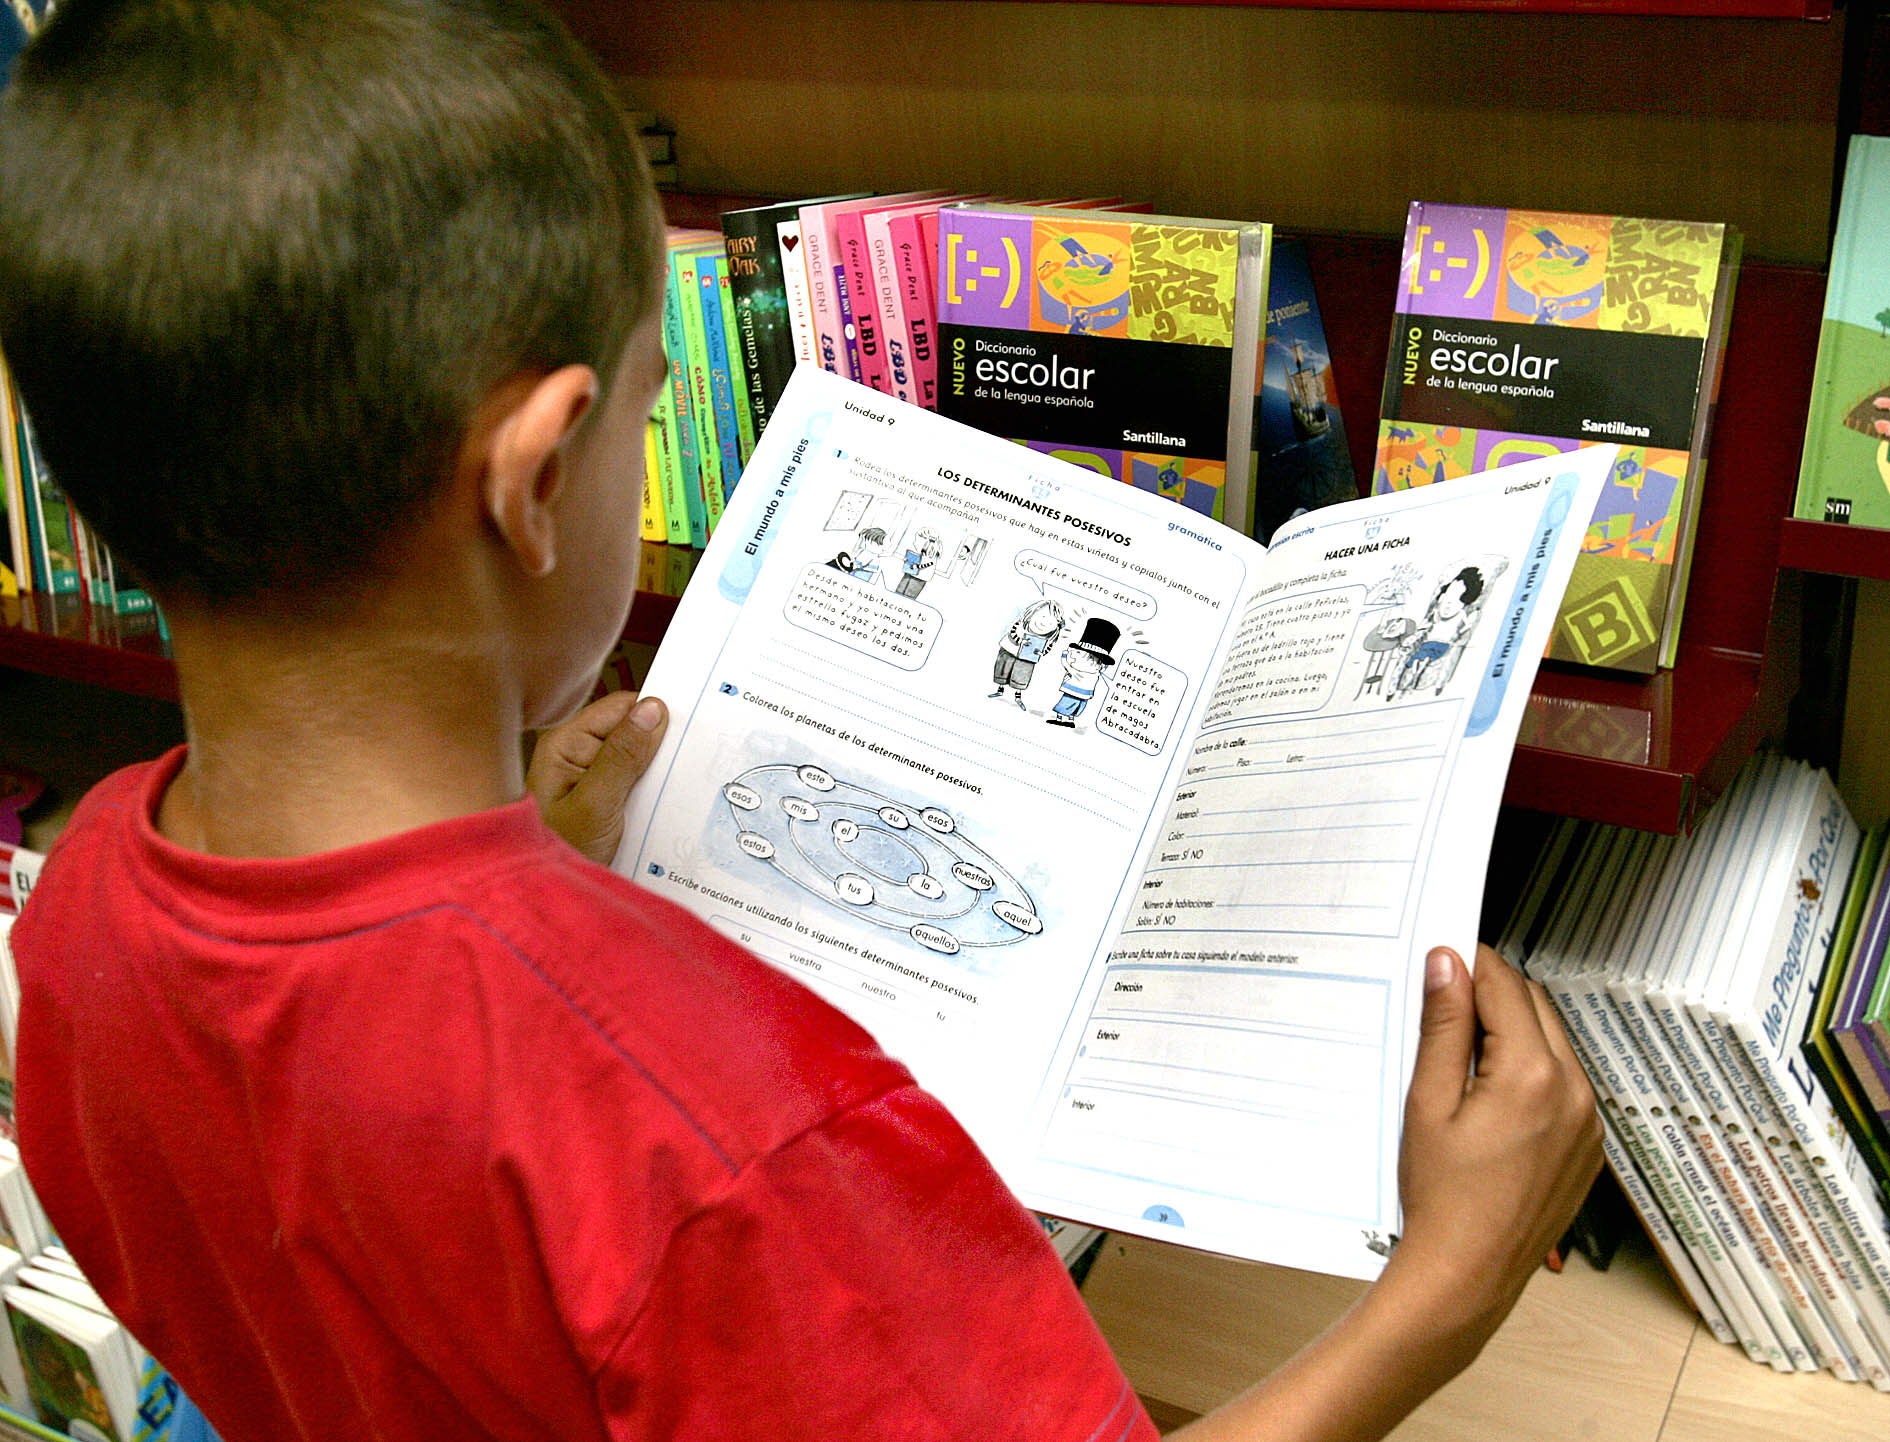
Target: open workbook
[(1127, 834)]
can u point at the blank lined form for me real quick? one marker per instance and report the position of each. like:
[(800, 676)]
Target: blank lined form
[(1205, 1076), (1309, 825)]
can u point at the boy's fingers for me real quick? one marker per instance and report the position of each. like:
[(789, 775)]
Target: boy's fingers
[(623, 754), (562, 753), (1446, 1034), (1504, 1000)]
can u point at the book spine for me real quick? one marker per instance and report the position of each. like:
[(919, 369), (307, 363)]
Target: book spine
[(1806, 1136), (853, 297), (1609, 1064), (701, 397), (817, 245), (916, 291), (1660, 1232), (686, 501), (794, 285), (32, 523), (766, 344), (651, 524), (54, 514), (710, 275), (888, 315), (745, 429), (12, 489)]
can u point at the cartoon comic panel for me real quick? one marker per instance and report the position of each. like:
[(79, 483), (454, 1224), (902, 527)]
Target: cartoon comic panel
[(881, 859), (1410, 642)]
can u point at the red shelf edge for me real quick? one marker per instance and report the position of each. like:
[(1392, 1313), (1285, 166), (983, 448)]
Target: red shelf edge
[(1835, 550)]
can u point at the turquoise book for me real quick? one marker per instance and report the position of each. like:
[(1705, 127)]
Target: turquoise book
[(1844, 472)]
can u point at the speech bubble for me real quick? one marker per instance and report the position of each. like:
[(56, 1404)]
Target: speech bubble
[(1042, 570), (862, 617), (1145, 697)]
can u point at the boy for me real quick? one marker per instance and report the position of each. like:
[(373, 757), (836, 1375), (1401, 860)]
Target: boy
[(371, 1107)]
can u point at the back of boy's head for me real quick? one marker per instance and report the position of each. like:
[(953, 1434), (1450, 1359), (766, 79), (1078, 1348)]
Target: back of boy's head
[(261, 261)]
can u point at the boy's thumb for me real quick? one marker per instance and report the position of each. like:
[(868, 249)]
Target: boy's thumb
[(1446, 1034)]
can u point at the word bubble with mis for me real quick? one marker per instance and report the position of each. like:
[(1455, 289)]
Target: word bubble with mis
[(1042, 570), (1144, 698), (859, 615)]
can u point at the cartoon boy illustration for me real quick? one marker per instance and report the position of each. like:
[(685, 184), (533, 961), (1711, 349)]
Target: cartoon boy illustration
[(1082, 669), (1027, 642), (863, 560), (1448, 622), (916, 565)]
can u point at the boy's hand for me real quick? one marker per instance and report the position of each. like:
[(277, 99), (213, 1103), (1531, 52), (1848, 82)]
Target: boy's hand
[(582, 770), (1493, 1165)]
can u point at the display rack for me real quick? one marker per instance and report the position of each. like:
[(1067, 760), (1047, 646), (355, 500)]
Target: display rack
[(1633, 752)]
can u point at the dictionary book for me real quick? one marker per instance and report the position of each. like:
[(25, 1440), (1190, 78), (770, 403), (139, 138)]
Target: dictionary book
[(1127, 344), (1126, 833), (1521, 333), (1844, 476)]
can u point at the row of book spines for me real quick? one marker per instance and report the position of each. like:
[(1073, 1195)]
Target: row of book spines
[(702, 428), (47, 547)]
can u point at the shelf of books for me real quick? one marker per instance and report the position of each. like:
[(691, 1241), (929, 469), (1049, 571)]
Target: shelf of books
[(1644, 752), (1635, 750)]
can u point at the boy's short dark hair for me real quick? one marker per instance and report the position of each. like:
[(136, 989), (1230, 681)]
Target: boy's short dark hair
[(261, 260)]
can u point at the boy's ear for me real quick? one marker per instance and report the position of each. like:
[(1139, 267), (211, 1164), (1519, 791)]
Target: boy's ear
[(525, 458)]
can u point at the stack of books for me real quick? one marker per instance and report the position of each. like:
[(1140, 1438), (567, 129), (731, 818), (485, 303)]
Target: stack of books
[(1688, 973), (45, 546), (1142, 347)]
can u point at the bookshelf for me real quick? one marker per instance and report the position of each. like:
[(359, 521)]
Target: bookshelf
[(1637, 753)]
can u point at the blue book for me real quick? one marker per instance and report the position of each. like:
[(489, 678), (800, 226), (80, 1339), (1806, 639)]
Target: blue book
[(1301, 459), (710, 274)]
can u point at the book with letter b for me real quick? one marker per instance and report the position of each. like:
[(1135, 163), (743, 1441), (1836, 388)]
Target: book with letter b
[(1127, 834), (1521, 333), (1127, 344), (1844, 476)]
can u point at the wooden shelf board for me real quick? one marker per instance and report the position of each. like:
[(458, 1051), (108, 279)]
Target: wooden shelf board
[(1861, 551), (61, 636)]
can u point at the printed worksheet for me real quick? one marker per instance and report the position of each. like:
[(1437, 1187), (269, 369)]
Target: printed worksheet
[(1127, 834)]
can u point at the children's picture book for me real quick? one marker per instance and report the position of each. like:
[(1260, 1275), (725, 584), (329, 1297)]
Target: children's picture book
[(1301, 458), (1522, 332), (79, 1364), (1128, 834), (1844, 475), (1129, 345), (1688, 971)]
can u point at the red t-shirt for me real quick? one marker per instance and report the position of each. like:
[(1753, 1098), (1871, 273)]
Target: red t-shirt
[(456, 1135)]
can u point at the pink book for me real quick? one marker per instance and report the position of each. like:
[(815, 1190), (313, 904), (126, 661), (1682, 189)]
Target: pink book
[(894, 292), (915, 252), (829, 302)]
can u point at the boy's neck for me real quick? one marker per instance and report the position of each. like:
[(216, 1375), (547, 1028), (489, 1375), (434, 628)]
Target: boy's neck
[(308, 738)]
